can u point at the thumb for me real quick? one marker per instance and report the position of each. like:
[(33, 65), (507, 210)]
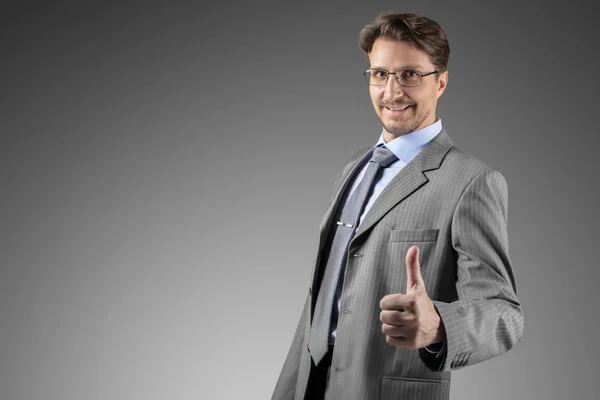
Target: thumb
[(414, 281)]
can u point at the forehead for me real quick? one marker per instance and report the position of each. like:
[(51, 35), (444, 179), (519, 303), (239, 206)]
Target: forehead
[(395, 54)]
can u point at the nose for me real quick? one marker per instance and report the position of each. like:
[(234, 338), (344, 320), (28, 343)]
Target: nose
[(393, 87)]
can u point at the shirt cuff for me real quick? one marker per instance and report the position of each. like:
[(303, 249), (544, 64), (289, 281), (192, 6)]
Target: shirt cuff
[(434, 348)]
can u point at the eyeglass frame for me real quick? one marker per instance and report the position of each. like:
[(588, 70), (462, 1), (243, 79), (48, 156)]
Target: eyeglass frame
[(397, 76)]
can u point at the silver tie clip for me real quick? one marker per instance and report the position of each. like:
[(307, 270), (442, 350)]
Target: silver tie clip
[(343, 224)]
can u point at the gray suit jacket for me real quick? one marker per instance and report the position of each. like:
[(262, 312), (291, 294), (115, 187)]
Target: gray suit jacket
[(454, 208)]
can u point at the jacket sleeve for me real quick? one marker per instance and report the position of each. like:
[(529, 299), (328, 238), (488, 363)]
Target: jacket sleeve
[(286, 384), (487, 319)]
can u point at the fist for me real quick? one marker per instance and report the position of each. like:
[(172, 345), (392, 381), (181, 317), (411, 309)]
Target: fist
[(410, 320)]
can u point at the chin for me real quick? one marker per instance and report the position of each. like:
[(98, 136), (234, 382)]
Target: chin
[(399, 130)]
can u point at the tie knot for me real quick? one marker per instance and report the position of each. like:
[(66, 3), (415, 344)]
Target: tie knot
[(383, 156)]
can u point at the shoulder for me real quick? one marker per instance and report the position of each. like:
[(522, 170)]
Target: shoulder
[(353, 160), (461, 163), (357, 156), (477, 182)]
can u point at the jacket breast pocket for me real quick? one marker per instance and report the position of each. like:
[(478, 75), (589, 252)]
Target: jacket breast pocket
[(413, 235), (406, 388)]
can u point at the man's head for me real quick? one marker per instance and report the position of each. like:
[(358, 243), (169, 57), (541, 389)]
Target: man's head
[(413, 44)]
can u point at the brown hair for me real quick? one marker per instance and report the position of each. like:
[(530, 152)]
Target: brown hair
[(423, 33)]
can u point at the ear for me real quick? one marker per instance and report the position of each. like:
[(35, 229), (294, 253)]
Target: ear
[(442, 83)]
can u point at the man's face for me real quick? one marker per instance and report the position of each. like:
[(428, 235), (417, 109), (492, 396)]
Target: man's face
[(393, 55)]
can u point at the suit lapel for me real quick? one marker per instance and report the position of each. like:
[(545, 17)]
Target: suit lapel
[(407, 181), (349, 171)]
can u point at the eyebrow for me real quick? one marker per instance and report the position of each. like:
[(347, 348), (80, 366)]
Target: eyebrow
[(412, 66)]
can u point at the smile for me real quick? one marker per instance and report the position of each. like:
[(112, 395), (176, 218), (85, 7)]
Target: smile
[(402, 108), (397, 110)]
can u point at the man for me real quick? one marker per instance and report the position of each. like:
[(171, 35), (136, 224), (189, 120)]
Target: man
[(412, 277)]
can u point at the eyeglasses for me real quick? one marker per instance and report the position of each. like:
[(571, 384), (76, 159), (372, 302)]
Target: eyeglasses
[(407, 78)]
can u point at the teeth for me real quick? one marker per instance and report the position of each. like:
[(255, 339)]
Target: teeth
[(398, 108)]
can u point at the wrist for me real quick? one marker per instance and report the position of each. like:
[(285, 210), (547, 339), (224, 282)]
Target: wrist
[(440, 335)]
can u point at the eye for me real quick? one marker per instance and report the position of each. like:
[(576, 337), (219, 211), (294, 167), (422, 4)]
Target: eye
[(379, 74), (410, 74)]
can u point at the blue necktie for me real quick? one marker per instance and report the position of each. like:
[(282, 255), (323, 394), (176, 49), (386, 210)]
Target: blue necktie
[(318, 342)]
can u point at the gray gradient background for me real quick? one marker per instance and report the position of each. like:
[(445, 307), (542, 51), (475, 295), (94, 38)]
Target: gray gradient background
[(157, 160)]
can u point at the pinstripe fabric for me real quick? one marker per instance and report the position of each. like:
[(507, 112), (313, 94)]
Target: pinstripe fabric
[(454, 208)]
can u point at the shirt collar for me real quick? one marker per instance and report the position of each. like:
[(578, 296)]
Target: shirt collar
[(406, 147)]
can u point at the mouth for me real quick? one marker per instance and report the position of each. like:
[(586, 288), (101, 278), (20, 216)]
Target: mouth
[(397, 110)]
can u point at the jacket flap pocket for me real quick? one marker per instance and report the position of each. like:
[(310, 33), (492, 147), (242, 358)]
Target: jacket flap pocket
[(399, 388), (413, 235)]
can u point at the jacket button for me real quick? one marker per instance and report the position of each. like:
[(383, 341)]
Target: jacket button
[(358, 255)]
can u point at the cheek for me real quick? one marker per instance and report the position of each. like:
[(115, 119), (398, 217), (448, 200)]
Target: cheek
[(375, 95)]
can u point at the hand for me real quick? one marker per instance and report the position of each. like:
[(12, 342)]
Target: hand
[(410, 320)]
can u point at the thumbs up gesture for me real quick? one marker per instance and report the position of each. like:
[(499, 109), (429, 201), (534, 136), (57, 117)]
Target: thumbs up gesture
[(410, 320)]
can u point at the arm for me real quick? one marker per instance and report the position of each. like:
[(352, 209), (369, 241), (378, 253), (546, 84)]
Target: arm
[(486, 320), (286, 384)]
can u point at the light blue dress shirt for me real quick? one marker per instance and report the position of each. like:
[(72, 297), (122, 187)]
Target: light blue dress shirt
[(405, 147)]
